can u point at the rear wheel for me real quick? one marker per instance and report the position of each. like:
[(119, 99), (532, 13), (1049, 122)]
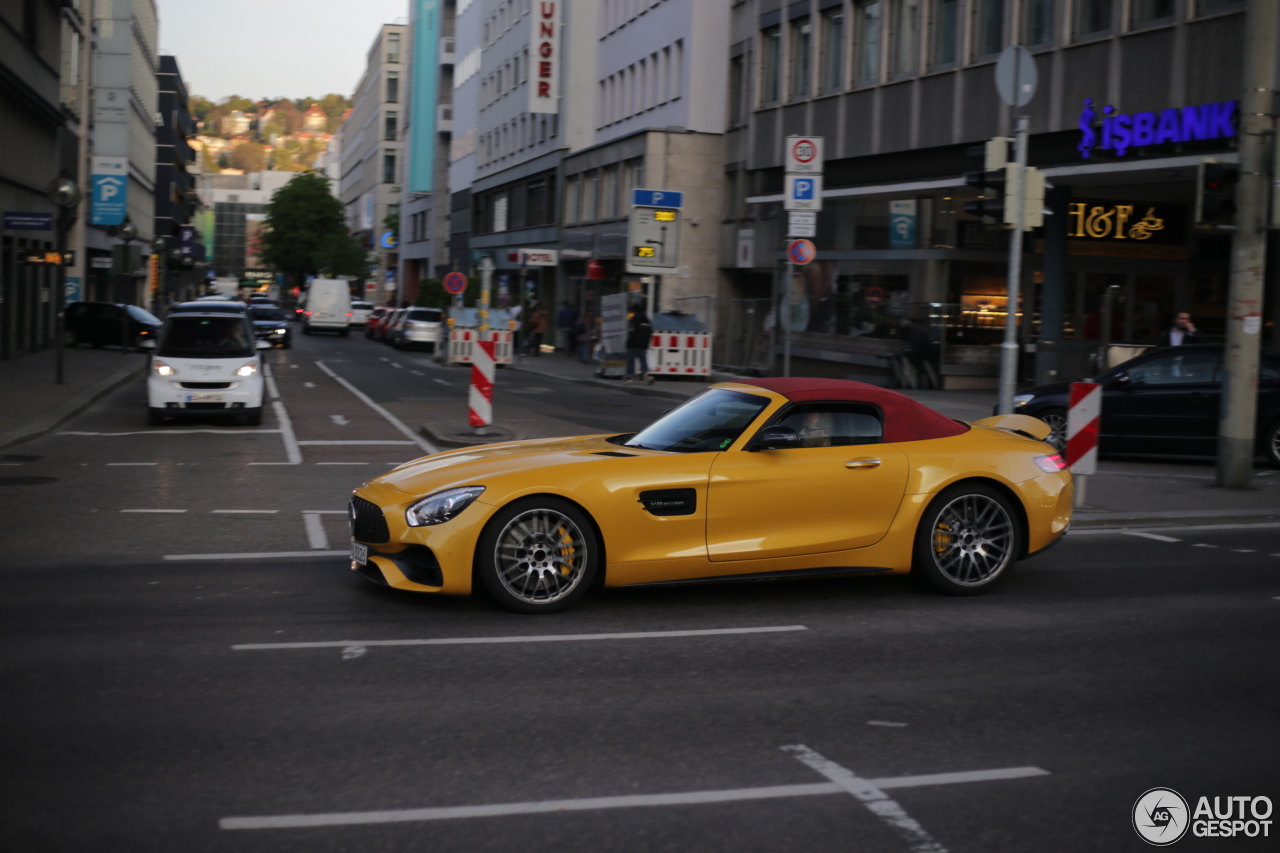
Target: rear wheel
[(538, 555), (1271, 444), (967, 540), (1057, 421)]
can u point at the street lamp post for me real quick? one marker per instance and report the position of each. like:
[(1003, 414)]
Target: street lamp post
[(64, 193)]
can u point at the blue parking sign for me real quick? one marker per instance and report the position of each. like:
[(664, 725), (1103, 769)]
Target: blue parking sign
[(110, 190), (803, 192), (657, 198)]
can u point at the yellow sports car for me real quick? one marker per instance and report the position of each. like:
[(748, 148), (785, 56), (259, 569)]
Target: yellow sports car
[(763, 478)]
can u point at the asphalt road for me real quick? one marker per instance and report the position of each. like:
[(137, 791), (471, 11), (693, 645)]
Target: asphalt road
[(1028, 719)]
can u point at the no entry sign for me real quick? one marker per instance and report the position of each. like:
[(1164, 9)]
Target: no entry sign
[(455, 283), (801, 251)]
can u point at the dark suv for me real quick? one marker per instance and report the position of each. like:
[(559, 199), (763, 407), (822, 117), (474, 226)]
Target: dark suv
[(108, 324)]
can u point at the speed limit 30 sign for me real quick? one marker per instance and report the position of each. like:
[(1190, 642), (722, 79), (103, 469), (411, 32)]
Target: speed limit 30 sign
[(804, 155)]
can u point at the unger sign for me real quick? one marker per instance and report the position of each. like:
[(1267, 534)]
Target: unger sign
[(545, 83)]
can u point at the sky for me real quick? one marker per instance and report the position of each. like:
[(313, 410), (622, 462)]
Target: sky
[(273, 48)]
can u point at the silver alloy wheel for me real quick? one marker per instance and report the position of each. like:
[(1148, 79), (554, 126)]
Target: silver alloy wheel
[(1058, 430), (541, 556), (1275, 445), (972, 540)]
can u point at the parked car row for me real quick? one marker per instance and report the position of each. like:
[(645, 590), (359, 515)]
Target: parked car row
[(406, 328)]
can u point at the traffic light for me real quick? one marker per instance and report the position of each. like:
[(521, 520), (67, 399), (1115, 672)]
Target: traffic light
[(1216, 193), (1033, 206), (992, 181)]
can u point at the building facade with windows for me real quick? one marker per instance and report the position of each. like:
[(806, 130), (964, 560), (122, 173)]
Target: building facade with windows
[(176, 197), (1131, 96), (372, 159)]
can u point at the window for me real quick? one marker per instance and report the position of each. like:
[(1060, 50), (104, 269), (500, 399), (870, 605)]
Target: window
[(393, 47), (390, 129), (1145, 11), (833, 424), (801, 48), (388, 167), (735, 91), (609, 192), (536, 203), (946, 20), (1184, 369), (1092, 16), (770, 64), (677, 68), (571, 191), (591, 197), (634, 177), (988, 27), (831, 75), (906, 36), (1208, 6), (393, 87), (868, 49), (1038, 15), (709, 422)]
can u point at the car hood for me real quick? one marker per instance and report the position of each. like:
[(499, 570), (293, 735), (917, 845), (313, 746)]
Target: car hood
[(270, 322), (472, 465)]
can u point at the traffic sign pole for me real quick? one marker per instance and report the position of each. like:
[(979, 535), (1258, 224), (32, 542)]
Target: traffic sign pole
[(480, 398), (802, 156)]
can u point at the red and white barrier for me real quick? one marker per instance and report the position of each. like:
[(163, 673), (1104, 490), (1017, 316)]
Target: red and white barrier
[(682, 354), (1082, 427), (463, 341), (480, 399)]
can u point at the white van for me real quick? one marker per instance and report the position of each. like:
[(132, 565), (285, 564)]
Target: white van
[(206, 363), (328, 307)]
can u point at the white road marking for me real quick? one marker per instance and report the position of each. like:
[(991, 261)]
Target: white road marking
[(326, 511), (380, 358), (257, 555), (315, 531), (885, 723), (391, 419), (397, 364), (245, 511), (354, 441), (294, 366), (291, 451), (272, 389), (873, 797), (308, 384), (342, 463), (353, 652), (1243, 551), (154, 510), (441, 381), (1156, 536), (175, 432), (1121, 531), (417, 373), (339, 420), (683, 798), (1203, 545), (131, 464), (9, 464), (535, 638)]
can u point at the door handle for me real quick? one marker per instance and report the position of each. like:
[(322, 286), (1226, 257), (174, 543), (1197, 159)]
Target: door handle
[(862, 463)]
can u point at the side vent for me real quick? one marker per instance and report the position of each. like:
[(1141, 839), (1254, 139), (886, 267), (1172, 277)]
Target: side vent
[(613, 453), (669, 502)]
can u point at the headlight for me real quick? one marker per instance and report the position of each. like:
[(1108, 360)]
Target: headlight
[(281, 331), (442, 506), (1023, 399), (162, 368), (248, 370)]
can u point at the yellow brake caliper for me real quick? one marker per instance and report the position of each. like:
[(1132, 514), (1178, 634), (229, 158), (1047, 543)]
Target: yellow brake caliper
[(567, 551)]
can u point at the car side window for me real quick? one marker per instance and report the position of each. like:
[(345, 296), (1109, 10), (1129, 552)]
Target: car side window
[(834, 424), (1195, 367)]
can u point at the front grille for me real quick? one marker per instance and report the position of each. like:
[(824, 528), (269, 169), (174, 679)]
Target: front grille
[(368, 524), (206, 405), (205, 386)]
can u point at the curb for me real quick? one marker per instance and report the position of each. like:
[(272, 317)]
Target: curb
[(71, 408), (443, 434), (1172, 517)]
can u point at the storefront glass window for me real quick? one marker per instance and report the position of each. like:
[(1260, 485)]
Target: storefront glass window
[(868, 54), (945, 21)]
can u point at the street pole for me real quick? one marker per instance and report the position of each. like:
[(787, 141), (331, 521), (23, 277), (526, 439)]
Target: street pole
[(1009, 349), (1237, 426), (784, 315)]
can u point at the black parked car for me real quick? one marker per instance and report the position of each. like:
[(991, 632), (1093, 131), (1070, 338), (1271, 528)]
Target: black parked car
[(108, 324), (271, 325), (1164, 401)]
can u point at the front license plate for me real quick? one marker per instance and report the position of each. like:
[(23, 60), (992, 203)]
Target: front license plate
[(204, 398), (359, 553)]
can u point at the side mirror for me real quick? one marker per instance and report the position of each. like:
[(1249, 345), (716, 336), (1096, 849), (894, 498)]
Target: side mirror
[(263, 344), (146, 344), (776, 437), (1120, 380)]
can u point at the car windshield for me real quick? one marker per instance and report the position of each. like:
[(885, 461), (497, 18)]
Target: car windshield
[(205, 337), (268, 314), (711, 421), (430, 315)]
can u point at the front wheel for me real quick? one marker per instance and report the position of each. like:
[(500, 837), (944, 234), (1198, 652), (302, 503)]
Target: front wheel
[(1057, 421), (967, 539), (538, 555), (1271, 444)]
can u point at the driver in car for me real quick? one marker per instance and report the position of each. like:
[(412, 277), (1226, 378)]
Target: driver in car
[(816, 429)]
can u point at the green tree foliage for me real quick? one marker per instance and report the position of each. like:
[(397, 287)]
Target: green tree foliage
[(235, 102), (306, 233)]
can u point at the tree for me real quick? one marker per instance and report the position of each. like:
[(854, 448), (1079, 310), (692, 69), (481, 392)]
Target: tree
[(306, 233), (235, 102), (249, 156)]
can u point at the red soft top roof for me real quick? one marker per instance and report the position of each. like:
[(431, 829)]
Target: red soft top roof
[(904, 418)]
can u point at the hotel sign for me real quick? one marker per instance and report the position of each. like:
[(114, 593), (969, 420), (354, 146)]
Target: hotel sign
[(1121, 132)]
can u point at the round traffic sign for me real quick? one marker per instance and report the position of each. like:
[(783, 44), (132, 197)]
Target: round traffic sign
[(801, 251), (874, 297), (455, 283), (1016, 76), (804, 150)]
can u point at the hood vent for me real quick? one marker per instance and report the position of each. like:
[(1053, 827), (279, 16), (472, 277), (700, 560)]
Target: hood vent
[(613, 453)]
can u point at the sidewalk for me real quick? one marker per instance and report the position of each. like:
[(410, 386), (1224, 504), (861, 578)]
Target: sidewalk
[(32, 404), (1126, 492)]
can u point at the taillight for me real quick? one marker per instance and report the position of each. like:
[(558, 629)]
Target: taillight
[(349, 314), (1051, 464)]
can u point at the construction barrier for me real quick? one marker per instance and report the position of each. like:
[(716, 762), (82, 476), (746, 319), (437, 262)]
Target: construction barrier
[(680, 353), (480, 398), (462, 343)]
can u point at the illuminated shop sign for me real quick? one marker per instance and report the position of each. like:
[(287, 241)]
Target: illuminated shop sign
[(1122, 131), (1125, 229)]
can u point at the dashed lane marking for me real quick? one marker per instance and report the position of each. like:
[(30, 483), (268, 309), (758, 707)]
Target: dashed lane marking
[(441, 381), (173, 432), (291, 451), (397, 364), (342, 463), (316, 537), (417, 373), (1203, 545), (257, 555), (353, 441), (308, 384), (1124, 531), (131, 464), (682, 798), (535, 638), (1156, 536), (244, 511), (391, 419), (885, 723), (171, 511), (340, 420)]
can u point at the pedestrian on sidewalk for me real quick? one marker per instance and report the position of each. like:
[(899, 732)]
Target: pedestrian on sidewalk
[(585, 336), (566, 320), (1183, 331), (639, 334), (537, 328)]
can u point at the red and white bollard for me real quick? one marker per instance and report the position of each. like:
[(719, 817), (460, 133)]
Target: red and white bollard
[(480, 400), (1082, 433)]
